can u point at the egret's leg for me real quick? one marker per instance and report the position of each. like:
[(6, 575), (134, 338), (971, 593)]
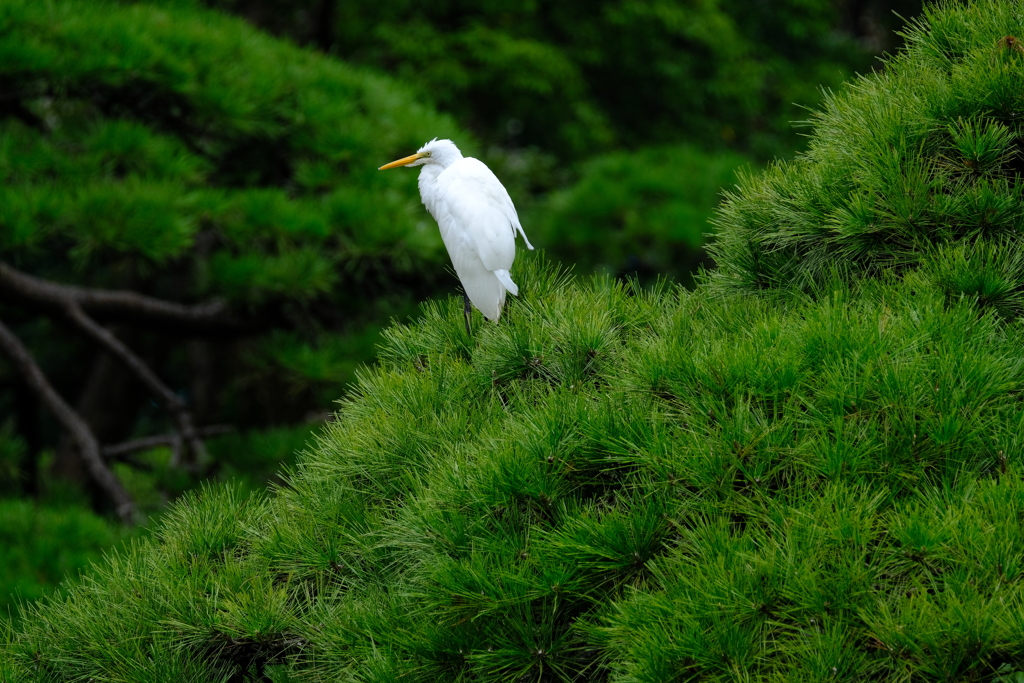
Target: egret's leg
[(467, 312)]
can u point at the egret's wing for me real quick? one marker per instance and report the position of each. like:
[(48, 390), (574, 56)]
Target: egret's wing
[(478, 225), (481, 284), (499, 195), (506, 281), (473, 193), (468, 194)]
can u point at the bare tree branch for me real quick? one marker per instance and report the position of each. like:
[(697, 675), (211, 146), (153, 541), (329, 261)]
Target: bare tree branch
[(211, 317), (25, 364), (171, 402), (173, 440), (133, 462), (75, 301)]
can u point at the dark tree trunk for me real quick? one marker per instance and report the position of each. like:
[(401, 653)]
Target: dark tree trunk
[(855, 20), (323, 28), (89, 449), (203, 388), (109, 404), (26, 423)]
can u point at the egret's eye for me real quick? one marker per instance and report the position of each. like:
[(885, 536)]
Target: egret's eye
[(427, 154)]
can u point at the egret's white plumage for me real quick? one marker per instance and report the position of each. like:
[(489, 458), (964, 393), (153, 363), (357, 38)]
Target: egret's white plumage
[(477, 219)]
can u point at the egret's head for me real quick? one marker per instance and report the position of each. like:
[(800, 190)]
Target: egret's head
[(441, 152)]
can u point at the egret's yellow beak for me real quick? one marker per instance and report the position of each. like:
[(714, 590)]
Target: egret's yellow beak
[(403, 161)]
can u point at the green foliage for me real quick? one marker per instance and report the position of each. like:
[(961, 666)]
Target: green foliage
[(133, 141), (46, 541), (613, 483), (583, 76), (819, 479), (643, 212), (253, 457), (917, 167), (41, 546), (182, 154), (248, 459)]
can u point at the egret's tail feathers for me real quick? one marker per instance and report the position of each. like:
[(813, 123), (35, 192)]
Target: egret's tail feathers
[(485, 289), (506, 280), (518, 227), (528, 245)]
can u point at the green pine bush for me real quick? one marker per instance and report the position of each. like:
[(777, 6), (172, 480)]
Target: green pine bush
[(612, 484), (916, 167), (817, 475)]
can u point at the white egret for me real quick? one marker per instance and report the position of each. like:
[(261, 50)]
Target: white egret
[(477, 219)]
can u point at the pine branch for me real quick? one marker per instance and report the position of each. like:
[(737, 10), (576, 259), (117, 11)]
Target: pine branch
[(207, 318), (26, 365), (173, 440), (74, 302)]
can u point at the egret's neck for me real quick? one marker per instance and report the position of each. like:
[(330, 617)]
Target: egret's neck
[(428, 187), (443, 157), (429, 173)]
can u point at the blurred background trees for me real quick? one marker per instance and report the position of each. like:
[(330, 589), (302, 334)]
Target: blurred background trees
[(809, 467), (578, 77), (174, 150)]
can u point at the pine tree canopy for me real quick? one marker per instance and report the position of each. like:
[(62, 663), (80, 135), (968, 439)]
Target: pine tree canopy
[(227, 181), (914, 167), (809, 468), (578, 76), (138, 132)]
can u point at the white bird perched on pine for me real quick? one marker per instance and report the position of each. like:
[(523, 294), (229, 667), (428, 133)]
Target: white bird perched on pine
[(477, 219)]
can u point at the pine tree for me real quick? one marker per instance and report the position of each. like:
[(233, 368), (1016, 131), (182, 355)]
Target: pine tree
[(190, 214), (806, 469)]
